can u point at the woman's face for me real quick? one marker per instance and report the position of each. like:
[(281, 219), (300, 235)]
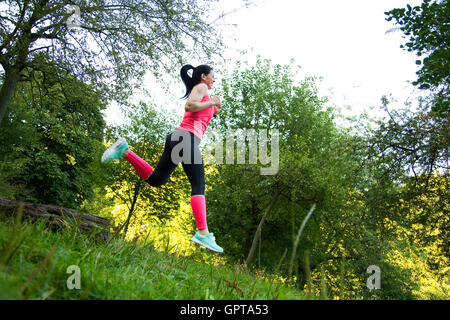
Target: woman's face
[(208, 79)]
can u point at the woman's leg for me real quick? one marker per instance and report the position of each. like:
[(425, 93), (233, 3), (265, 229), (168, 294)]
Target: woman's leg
[(158, 176), (198, 202), (165, 165), (141, 167), (163, 170), (196, 175), (195, 172)]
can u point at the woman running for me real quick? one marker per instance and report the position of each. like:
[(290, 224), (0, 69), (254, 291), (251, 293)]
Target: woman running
[(199, 109)]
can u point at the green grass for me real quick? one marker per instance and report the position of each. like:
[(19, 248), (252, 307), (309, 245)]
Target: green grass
[(34, 262)]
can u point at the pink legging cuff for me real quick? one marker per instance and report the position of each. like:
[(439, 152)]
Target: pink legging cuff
[(198, 205), (141, 167)]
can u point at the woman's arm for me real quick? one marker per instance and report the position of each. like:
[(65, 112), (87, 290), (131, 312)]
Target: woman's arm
[(193, 103)]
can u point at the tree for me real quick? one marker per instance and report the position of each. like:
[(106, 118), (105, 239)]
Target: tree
[(115, 42), (413, 142), (51, 139), (427, 27), (315, 160), (419, 141), (257, 217)]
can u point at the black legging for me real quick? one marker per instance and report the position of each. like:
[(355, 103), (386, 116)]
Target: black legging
[(194, 168)]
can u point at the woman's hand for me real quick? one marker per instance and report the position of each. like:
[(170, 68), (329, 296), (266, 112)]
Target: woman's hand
[(215, 100), (217, 108)]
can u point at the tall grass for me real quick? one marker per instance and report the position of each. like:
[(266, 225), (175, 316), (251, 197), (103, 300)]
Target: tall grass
[(34, 264)]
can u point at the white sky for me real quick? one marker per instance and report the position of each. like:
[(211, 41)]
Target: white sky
[(344, 42)]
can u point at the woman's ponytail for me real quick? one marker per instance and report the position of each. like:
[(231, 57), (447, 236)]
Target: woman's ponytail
[(187, 79), (191, 82)]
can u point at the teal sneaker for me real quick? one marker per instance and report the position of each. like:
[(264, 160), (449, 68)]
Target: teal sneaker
[(208, 241), (115, 151)]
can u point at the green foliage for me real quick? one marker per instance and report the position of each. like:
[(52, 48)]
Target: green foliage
[(369, 210), (50, 142), (316, 162), (427, 28), (355, 188), (132, 38), (411, 141)]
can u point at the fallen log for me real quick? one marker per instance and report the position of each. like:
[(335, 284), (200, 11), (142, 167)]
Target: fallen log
[(57, 216)]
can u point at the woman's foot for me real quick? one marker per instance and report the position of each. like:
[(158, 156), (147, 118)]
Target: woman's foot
[(116, 151), (208, 241)]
